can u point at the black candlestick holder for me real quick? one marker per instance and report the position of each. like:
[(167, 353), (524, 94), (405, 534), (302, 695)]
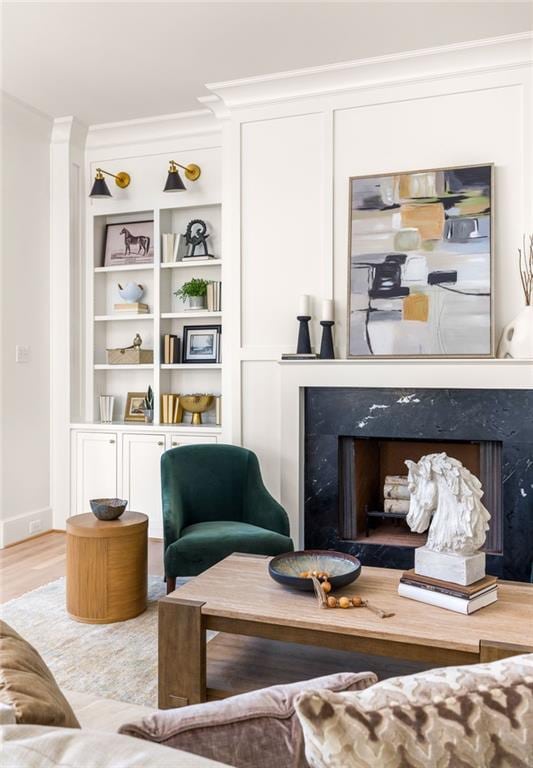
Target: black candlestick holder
[(326, 346), (304, 341)]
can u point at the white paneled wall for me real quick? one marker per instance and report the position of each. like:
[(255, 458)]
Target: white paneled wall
[(297, 138), (281, 224), (457, 128)]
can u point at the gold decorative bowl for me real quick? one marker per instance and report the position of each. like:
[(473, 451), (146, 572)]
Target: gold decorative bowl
[(196, 404)]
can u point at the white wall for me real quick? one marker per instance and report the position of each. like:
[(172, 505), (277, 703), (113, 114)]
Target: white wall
[(25, 493), (299, 137)]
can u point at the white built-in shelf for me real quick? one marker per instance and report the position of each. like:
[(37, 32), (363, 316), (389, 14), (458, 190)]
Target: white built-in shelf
[(122, 316), (187, 429), (192, 263), (138, 367), (189, 315), (191, 366), (124, 268)]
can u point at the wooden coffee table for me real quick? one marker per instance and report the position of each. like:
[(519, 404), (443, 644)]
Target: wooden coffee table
[(238, 596)]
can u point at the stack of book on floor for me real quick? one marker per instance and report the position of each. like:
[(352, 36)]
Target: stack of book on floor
[(214, 296), (171, 411), (396, 495), (132, 308), (170, 352), (447, 594)]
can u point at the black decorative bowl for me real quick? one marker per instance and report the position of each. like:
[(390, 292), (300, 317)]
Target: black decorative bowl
[(108, 509), (342, 568)]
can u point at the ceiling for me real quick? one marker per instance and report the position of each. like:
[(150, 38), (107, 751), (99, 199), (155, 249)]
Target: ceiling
[(106, 62)]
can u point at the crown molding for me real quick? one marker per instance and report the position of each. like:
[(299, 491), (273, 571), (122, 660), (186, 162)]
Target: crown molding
[(478, 56), (152, 129), (68, 130)]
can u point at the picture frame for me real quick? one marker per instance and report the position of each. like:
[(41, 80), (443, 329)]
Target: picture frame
[(129, 242), (134, 410), (201, 344), (420, 264)]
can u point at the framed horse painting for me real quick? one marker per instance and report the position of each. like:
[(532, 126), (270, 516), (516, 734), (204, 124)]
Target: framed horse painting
[(129, 243)]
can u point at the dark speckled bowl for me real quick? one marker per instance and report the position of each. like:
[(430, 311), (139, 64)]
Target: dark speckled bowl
[(342, 568), (108, 509)]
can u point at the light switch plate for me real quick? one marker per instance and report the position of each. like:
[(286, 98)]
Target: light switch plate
[(22, 353)]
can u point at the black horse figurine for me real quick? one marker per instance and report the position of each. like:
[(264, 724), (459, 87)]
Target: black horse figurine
[(197, 238), (141, 241)]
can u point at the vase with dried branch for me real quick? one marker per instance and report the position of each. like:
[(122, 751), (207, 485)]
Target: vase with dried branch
[(517, 337)]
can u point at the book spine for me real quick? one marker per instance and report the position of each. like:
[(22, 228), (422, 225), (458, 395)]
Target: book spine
[(448, 591), (433, 598), (434, 588), (218, 410)]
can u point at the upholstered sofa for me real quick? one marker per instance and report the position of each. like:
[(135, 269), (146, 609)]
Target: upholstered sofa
[(478, 716)]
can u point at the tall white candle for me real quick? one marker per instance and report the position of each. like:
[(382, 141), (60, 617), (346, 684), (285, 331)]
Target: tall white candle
[(304, 307), (328, 310)]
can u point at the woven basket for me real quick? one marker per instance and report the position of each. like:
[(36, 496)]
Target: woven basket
[(136, 356)]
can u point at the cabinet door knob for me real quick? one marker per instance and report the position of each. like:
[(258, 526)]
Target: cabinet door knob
[(160, 442), (111, 441), (174, 444)]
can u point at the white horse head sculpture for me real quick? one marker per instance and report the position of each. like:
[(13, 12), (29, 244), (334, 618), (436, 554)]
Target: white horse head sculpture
[(446, 497)]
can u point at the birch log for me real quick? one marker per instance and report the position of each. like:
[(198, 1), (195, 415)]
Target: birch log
[(396, 505), (394, 491)]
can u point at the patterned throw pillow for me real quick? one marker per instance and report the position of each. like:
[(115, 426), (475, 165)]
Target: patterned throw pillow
[(478, 716)]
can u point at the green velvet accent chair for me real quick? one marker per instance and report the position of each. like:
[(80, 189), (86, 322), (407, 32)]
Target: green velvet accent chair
[(215, 503)]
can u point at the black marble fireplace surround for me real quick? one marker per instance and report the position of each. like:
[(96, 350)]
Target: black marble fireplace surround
[(504, 416)]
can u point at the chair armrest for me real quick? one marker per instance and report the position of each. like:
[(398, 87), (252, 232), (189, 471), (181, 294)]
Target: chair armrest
[(260, 508)]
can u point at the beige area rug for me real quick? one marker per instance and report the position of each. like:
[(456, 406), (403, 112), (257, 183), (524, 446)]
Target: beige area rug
[(113, 661)]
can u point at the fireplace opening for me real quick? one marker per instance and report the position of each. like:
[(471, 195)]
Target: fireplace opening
[(375, 498)]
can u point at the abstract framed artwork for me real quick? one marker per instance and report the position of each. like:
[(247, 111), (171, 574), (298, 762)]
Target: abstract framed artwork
[(420, 264)]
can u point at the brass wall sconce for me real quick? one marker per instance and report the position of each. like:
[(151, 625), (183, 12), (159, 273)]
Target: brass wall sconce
[(174, 180), (100, 188)]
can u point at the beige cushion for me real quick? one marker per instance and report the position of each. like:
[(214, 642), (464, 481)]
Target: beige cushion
[(28, 686), (99, 714), (36, 746), (472, 716), (254, 730)]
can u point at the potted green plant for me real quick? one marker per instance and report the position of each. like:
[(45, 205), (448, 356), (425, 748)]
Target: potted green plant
[(195, 291), (148, 406)]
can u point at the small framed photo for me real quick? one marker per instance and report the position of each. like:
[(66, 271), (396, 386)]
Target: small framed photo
[(201, 343), (134, 406), (129, 243)]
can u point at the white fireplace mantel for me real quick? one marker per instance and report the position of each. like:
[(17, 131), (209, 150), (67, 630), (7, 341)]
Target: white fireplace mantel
[(404, 374)]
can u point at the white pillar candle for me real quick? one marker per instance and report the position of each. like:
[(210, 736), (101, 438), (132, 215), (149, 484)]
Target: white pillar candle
[(304, 307), (328, 310)]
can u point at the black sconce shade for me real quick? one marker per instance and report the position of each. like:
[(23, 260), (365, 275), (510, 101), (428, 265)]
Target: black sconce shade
[(174, 181), (100, 188)]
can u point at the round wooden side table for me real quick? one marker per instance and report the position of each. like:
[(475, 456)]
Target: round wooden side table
[(106, 567)]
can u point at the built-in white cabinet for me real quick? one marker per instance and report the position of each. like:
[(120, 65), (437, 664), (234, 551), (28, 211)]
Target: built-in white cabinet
[(125, 463), (141, 477), (95, 468), (177, 440)]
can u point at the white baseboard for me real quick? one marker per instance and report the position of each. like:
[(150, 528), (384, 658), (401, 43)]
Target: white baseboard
[(19, 527)]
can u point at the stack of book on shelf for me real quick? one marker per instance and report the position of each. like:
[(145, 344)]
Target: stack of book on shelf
[(173, 247), (447, 594), (214, 296), (396, 496), (171, 411), (170, 352), (132, 308)]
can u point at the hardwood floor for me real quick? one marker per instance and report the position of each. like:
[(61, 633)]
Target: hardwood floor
[(234, 662), (37, 561)]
